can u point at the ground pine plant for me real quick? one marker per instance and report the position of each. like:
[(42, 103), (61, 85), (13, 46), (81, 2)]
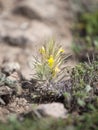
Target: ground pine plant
[(85, 85), (49, 65)]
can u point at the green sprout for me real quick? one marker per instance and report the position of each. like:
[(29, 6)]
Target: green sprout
[(49, 65)]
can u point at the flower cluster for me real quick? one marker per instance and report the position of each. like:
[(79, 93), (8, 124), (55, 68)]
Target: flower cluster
[(51, 60)]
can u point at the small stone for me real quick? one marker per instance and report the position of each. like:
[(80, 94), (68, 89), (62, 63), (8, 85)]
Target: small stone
[(14, 77), (55, 110), (10, 67), (5, 90)]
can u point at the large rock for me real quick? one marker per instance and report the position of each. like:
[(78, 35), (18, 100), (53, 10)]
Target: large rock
[(21, 34), (56, 14), (36, 9), (55, 110)]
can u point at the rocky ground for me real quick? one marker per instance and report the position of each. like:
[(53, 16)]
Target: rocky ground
[(24, 26)]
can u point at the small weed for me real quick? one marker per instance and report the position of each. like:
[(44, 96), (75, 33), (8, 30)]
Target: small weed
[(49, 65), (84, 91)]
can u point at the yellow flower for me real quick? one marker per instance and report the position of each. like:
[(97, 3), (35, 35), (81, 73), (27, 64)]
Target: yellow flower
[(55, 71), (42, 50), (51, 61), (60, 51)]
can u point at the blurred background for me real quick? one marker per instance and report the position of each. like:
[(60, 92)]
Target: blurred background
[(27, 24)]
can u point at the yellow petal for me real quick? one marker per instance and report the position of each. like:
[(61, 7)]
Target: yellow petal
[(42, 50), (51, 61), (57, 69), (60, 51)]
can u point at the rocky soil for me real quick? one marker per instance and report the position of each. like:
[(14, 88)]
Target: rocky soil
[(24, 26)]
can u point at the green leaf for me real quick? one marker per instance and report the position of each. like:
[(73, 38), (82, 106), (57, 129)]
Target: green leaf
[(81, 102)]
